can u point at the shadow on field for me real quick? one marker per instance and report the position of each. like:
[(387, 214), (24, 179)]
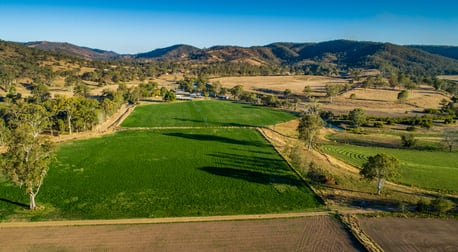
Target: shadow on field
[(452, 198), (253, 176), (190, 120), (225, 124), (367, 143), (264, 164), (214, 138), (14, 202)]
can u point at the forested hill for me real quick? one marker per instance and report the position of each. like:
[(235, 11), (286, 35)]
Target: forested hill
[(72, 50), (446, 51), (319, 58), (169, 53), (325, 58)]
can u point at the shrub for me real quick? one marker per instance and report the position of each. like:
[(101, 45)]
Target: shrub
[(427, 123), (326, 115), (430, 111), (408, 140), (411, 128), (379, 124), (318, 175), (449, 120), (402, 206), (441, 205), (297, 159), (422, 206), (402, 96), (353, 96)]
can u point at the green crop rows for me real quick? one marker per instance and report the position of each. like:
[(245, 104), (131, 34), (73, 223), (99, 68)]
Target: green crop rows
[(165, 173), (428, 169), (204, 113)]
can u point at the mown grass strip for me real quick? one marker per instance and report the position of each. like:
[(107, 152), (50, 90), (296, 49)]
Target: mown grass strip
[(436, 170)]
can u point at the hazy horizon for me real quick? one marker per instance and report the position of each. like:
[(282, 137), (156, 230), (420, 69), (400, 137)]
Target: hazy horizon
[(141, 26)]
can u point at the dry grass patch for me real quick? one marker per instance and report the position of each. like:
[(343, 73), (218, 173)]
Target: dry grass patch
[(279, 83), (448, 77), (384, 102)]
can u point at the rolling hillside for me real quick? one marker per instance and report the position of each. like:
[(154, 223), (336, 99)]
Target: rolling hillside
[(72, 50), (337, 55), (174, 52), (446, 51)]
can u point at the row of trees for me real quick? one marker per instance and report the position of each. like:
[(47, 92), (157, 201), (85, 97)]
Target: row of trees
[(27, 123)]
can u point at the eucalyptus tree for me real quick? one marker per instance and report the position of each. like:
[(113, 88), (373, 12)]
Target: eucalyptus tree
[(380, 167), (357, 117), (26, 160), (332, 90), (309, 125)]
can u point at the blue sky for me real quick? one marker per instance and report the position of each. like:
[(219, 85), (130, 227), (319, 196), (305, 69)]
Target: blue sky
[(139, 26)]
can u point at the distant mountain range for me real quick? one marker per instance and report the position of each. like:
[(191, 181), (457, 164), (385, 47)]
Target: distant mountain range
[(272, 52), (73, 50), (340, 53)]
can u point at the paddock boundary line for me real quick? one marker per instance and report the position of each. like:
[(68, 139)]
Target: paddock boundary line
[(166, 220)]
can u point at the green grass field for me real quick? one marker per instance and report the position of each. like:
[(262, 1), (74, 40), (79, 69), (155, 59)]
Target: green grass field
[(428, 169), (158, 173), (204, 113)]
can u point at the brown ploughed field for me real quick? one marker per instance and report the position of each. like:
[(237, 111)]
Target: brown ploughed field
[(320, 233), (412, 234)]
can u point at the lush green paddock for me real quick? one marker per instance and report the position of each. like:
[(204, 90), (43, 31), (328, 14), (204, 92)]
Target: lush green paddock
[(428, 169), (204, 113), (159, 173)]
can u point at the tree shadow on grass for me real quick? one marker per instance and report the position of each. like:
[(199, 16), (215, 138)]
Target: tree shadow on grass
[(202, 137), (14, 203), (194, 121), (253, 176), (264, 164), (212, 123)]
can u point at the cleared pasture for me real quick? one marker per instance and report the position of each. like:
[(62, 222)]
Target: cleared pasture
[(165, 173), (427, 169), (295, 83), (204, 114), (383, 102)]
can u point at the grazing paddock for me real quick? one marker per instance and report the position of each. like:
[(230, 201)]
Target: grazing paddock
[(412, 234), (384, 102), (165, 173), (204, 114), (321, 233), (427, 169), (295, 83)]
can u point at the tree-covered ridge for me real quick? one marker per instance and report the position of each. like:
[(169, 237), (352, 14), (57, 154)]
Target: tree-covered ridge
[(73, 50), (446, 51), (35, 67), (330, 57)]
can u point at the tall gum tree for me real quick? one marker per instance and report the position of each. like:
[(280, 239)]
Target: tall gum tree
[(380, 167), (26, 161), (309, 125)]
